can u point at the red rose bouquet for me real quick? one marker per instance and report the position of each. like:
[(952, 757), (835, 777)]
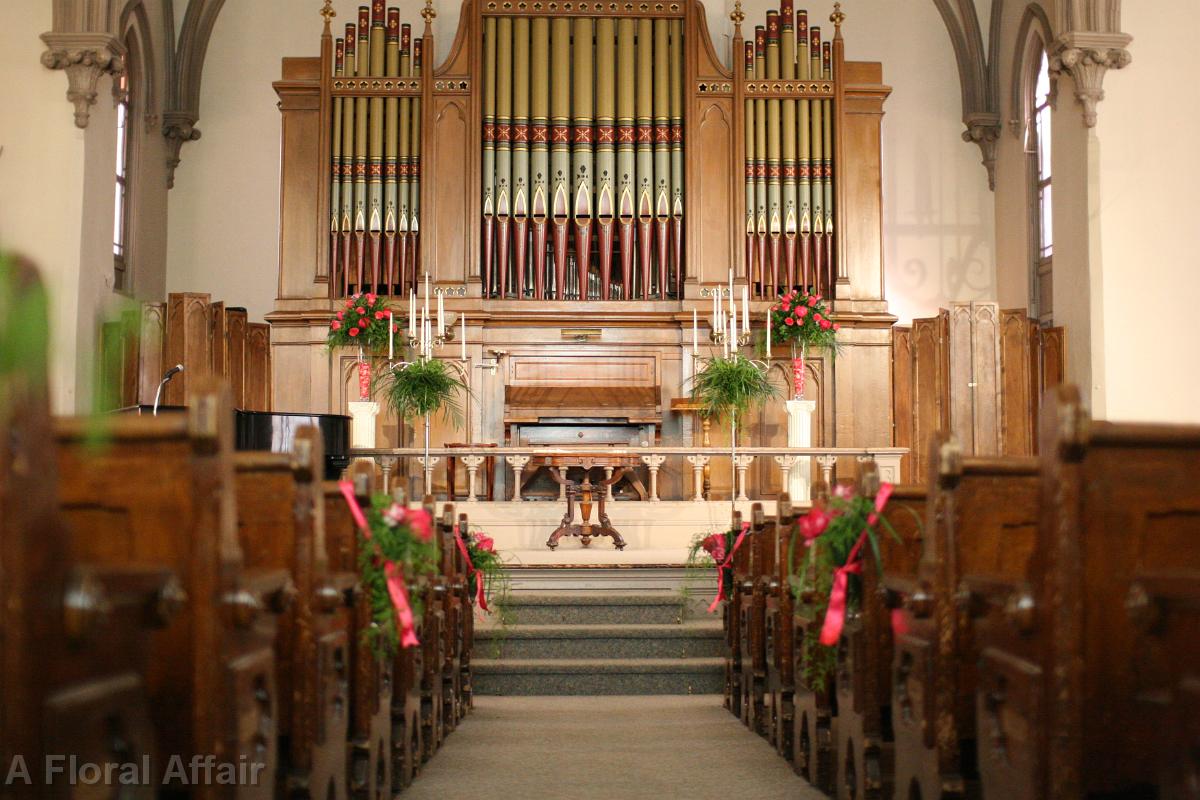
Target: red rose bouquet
[(362, 322), (802, 319)]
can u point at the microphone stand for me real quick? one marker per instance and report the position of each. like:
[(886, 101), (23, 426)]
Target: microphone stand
[(166, 378)]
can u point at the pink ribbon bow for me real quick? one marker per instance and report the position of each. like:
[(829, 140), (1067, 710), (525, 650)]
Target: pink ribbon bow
[(835, 615), (397, 588), (480, 598), (721, 567)]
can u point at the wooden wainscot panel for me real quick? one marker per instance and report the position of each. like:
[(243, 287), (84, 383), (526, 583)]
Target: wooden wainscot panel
[(188, 342), (258, 367), (902, 397), (929, 370), (450, 252), (302, 180), (150, 350), (861, 214), (584, 369), (220, 343), (1017, 381), (710, 201), (235, 331)]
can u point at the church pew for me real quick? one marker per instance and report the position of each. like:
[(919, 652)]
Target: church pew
[(281, 517), (75, 632), (468, 630), (753, 610), (454, 577), (1087, 689), (736, 575), (863, 738), (780, 644), (981, 521), (160, 492), (433, 656), (813, 755), (371, 749)]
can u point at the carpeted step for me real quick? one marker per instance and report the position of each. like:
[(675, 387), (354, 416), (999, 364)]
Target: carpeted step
[(598, 676), (700, 639), (574, 608)]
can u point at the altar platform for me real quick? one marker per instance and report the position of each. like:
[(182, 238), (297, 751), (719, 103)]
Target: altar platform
[(656, 533)]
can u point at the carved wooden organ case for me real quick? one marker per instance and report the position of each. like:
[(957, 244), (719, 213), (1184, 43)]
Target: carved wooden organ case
[(572, 153)]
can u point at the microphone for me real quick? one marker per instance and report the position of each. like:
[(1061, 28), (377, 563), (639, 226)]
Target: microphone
[(166, 378)]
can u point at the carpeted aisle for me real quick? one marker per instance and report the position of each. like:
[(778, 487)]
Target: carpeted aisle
[(657, 747)]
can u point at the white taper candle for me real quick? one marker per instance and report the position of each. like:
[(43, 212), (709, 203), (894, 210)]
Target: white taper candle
[(695, 334), (463, 317), (391, 336)]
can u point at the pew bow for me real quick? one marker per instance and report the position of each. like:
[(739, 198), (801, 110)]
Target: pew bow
[(480, 596), (397, 588), (835, 614), (722, 566)]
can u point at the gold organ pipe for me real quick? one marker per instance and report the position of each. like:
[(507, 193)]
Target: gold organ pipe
[(774, 186), (560, 146), (520, 157), (676, 26), (581, 153), (787, 59), (361, 108), (606, 87), (503, 148), (489, 152), (391, 149), (645, 149), (414, 175), (335, 189), (626, 162), (540, 149), (662, 150)]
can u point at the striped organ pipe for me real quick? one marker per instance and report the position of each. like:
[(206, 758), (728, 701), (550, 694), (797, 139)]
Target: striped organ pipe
[(336, 268), (676, 81), (645, 150), (539, 160), (816, 163), (626, 164), (774, 168), (403, 157), (487, 246), (414, 174), (560, 147), (582, 156), (753, 267), (605, 167), (346, 224), (827, 163), (520, 153), (503, 150), (804, 164), (787, 65), (760, 157), (662, 151), (361, 111), (375, 108), (391, 150)]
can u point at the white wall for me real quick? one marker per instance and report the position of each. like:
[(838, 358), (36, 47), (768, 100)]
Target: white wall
[(224, 210), (1149, 220), (938, 213), (41, 172)]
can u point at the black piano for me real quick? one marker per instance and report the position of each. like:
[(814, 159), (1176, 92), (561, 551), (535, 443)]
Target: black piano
[(275, 431)]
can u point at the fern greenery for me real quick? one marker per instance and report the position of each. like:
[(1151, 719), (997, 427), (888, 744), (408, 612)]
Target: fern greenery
[(733, 384), (423, 387)]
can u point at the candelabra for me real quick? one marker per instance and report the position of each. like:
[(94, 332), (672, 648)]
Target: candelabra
[(719, 334)]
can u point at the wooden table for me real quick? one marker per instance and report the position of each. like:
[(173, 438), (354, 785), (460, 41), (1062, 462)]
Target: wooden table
[(587, 493)]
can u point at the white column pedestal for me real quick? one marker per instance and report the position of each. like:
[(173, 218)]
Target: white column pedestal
[(800, 413), (362, 422)]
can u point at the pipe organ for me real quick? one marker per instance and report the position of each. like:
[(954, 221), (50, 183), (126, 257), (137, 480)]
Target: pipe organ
[(582, 194), (601, 157)]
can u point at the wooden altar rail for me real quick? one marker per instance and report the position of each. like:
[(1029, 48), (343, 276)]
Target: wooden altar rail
[(887, 459)]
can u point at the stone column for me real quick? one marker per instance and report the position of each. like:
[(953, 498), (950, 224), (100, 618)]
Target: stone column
[(427, 469), (799, 481), (742, 463), (654, 462), (698, 464), (827, 464), (472, 463), (786, 464), (518, 466)]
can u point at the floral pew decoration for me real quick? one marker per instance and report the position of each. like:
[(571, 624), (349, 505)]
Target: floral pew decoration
[(486, 573), (836, 537), (720, 548), (396, 546)]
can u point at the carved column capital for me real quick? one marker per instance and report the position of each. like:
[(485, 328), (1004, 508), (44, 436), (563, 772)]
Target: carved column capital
[(984, 130), (178, 127), (84, 57), (1087, 57)]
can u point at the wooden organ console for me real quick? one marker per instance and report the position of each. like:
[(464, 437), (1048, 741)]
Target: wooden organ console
[(583, 158)]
